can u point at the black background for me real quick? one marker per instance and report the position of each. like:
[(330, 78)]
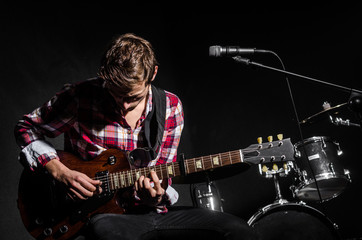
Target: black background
[(227, 105)]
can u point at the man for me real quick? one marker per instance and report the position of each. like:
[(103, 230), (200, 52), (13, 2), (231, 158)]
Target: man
[(112, 111)]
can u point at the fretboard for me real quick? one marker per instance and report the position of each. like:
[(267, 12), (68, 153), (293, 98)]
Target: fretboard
[(212, 161), (169, 170)]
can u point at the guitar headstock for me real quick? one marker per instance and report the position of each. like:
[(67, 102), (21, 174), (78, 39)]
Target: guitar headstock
[(270, 151)]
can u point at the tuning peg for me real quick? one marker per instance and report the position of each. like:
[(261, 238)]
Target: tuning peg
[(275, 167), (270, 140), (280, 138), (265, 169), (260, 140), (285, 166)]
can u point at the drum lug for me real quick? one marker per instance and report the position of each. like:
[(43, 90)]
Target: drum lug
[(303, 175), (297, 153), (347, 174), (324, 145), (302, 203), (331, 167), (293, 188), (339, 150), (335, 225)]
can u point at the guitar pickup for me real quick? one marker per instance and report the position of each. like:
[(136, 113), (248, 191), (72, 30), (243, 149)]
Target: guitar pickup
[(104, 178)]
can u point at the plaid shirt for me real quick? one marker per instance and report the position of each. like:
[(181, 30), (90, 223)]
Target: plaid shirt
[(85, 113)]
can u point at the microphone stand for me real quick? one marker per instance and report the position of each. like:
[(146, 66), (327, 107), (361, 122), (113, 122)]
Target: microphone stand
[(355, 99)]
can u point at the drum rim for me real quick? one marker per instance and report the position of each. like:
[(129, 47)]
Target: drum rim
[(273, 207), (326, 176), (270, 208), (323, 199), (313, 140)]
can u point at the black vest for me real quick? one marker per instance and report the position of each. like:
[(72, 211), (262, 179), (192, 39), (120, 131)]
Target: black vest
[(155, 121)]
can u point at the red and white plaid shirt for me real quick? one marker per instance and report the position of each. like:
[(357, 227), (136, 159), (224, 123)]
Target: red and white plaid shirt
[(85, 113)]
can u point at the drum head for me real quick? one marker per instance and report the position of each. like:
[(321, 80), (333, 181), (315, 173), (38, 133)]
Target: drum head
[(312, 140), (292, 222), (328, 188)]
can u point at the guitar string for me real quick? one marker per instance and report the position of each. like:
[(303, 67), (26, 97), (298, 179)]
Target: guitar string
[(129, 175), (207, 160)]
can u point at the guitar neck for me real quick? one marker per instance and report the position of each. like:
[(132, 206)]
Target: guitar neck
[(169, 170), (281, 150)]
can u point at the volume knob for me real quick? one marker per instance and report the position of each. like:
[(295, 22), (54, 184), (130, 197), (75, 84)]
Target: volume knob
[(47, 232), (63, 229)]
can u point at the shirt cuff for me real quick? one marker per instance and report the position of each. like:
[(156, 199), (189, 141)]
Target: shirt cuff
[(172, 195), (38, 153), (170, 198)]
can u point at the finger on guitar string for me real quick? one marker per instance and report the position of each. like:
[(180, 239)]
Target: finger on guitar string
[(82, 186), (89, 184), (159, 191), (139, 183), (147, 186), (149, 189)]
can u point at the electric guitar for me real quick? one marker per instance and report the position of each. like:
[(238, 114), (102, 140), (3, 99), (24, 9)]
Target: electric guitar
[(48, 213)]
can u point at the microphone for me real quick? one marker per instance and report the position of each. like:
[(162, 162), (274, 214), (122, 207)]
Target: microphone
[(229, 51)]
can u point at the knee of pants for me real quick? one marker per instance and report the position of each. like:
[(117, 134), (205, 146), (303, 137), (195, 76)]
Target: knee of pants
[(113, 227)]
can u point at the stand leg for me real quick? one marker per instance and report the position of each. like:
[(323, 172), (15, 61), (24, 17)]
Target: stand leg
[(207, 196), (279, 198)]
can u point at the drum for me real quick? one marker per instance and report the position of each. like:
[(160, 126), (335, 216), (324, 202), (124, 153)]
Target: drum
[(292, 221), (318, 156)]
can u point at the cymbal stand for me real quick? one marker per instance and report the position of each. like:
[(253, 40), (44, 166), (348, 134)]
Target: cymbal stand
[(341, 122)]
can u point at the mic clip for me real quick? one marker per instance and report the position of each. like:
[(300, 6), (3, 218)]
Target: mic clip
[(241, 60)]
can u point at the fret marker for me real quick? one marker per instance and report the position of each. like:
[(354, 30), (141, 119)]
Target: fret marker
[(123, 180), (198, 164), (170, 170), (138, 175), (215, 160), (116, 182), (129, 178)]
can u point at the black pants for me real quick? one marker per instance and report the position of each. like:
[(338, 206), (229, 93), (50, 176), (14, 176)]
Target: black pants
[(176, 224)]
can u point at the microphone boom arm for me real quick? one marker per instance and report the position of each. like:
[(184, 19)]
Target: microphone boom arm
[(249, 62)]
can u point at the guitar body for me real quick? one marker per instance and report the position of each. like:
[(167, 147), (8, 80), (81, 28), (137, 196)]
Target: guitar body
[(46, 210)]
